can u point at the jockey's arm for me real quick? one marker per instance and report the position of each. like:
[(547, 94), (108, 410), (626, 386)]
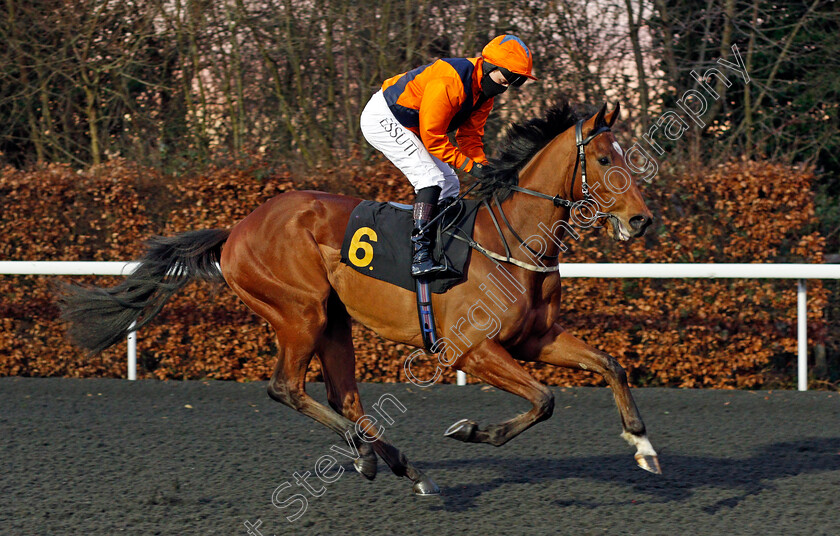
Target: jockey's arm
[(470, 136), (439, 105)]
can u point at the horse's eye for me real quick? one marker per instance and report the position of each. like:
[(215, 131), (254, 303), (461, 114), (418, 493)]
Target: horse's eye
[(604, 161)]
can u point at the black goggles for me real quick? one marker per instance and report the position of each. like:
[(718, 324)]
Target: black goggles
[(513, 79)]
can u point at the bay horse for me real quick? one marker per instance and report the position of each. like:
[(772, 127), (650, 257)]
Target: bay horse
[(283, 261)]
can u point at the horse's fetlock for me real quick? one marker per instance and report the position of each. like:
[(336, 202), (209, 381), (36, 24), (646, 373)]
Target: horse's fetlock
[(636, 427), (497, 437), (364, 449), (545, 406)]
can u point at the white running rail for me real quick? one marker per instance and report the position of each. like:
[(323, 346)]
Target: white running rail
[(800, 272)]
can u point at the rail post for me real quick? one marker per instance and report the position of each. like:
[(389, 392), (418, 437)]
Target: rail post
[(132, 352), (802, 333)]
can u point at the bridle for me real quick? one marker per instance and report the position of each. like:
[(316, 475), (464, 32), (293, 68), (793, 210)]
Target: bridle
[(580, 160), (558, 201)]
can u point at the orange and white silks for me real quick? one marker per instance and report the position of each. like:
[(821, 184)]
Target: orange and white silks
[(436, 99), (405, 150)]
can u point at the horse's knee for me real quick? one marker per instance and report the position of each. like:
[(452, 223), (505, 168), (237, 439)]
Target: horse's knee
[(614, 368)]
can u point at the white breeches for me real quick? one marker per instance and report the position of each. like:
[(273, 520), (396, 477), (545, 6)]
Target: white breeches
[(402, 147)]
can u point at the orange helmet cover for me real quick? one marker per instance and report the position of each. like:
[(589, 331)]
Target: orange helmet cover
[(510, 52)]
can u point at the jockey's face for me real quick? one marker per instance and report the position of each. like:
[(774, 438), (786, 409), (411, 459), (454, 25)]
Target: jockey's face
[(498, 79)]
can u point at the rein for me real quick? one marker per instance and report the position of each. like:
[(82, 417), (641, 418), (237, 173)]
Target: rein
[(558, 201)]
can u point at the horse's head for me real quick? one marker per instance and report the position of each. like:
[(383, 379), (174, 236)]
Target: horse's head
[(611, 184), (543, 157)]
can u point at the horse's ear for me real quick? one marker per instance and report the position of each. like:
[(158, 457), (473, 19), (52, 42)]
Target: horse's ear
[(613, 115), (599, 119)]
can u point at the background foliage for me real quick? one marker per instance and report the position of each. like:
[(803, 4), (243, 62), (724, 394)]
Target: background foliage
[(171, 83), (686, 333), (121, 119)]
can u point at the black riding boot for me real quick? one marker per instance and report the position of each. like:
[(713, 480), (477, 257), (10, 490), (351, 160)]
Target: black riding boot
[(425, 208)]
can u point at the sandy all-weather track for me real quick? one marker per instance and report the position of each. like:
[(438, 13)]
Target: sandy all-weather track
[(112, 456)]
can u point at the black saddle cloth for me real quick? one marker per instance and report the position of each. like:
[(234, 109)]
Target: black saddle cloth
[(377, 243)]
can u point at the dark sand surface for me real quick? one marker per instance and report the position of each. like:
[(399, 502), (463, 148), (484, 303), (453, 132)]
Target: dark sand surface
[(112, 456)]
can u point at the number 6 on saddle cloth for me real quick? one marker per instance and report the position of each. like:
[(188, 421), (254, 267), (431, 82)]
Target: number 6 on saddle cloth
[(376, 244)]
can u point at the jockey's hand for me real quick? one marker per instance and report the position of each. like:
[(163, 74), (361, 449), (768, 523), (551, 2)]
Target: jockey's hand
[(481, 171)]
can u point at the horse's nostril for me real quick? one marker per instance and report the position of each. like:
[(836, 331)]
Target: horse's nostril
[(639, 222)]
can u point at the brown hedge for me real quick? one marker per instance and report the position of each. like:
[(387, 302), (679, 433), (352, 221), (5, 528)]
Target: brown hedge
[(685, 333)]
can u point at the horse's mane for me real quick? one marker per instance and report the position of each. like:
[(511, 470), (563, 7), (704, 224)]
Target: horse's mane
[(521, 142)]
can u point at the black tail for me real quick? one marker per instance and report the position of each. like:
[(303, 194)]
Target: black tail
[(101, 317)]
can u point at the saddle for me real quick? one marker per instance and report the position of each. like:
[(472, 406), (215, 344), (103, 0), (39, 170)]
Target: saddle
[(377, 244)]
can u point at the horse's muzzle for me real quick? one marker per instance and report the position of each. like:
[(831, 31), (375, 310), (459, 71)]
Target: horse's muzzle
[(639, 224)]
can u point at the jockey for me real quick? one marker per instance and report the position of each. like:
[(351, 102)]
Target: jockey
[(409, 118)]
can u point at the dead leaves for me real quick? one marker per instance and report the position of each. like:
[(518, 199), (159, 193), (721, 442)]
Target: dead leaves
[(684, 333)]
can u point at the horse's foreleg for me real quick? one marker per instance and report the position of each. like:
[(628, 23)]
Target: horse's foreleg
[(562, 349), (493, 364), (335, 349)]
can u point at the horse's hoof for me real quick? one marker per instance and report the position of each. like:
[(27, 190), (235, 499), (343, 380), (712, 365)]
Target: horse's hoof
[(463, 430), (426, 487), (366, 466), (649, 463)]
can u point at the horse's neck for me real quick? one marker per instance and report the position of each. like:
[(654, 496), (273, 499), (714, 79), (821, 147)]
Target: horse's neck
[(549, 172)]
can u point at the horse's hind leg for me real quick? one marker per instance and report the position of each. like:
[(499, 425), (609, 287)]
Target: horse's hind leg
[(338, 364), (298, 325), (335, 349), (287, 385)]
